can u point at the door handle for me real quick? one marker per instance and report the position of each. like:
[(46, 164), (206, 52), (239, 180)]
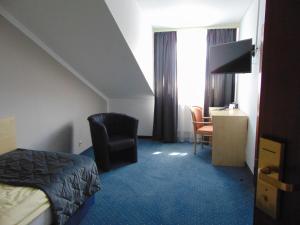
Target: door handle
[(269, 185), (265, 174)]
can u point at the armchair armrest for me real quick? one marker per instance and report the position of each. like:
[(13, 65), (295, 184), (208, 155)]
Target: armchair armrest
[(100, 141), (101, 130), (131, 126), (98, 132)]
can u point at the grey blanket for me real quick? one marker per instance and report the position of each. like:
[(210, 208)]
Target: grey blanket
[(67, 179)]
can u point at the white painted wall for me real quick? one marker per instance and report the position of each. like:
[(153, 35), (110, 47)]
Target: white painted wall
[(49, 103), (248, 86), (140, 108), (137, 32), (84, 34)]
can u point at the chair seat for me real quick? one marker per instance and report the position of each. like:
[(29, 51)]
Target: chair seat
[(205, 130), (117, 143)]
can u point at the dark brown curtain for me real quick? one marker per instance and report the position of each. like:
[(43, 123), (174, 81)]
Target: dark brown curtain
[(165, 87), (219, 89)]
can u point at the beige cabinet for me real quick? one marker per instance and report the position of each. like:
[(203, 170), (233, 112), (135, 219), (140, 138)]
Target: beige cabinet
[(229, 137)]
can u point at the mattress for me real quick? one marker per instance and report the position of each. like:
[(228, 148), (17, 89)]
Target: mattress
[(43, 219), (22, 205)]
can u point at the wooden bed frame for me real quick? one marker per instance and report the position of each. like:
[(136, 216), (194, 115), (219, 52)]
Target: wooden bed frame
[(7, 135)]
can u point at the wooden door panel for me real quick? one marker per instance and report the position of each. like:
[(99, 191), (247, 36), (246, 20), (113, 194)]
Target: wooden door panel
[(279, 116)]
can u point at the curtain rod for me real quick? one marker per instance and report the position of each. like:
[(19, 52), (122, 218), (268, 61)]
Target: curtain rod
[(185, 28)]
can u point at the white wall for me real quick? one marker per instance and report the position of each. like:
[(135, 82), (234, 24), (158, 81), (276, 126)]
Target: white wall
[(248, 86), (84, 35), (137, 32), (49, 103), (140, 108)]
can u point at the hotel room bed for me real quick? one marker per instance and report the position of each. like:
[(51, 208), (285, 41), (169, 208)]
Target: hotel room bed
[(40, 187), (67, 179)]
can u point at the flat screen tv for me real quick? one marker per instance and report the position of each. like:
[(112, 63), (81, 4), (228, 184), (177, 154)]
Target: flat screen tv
[(233, 57)]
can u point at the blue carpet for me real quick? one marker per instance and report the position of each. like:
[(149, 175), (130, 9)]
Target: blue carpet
[(171, 186)]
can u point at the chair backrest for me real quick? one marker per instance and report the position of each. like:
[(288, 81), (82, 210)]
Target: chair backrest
[(115, 123), (197, 116)]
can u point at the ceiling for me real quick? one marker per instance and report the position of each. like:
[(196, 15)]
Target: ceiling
[(194, 13)]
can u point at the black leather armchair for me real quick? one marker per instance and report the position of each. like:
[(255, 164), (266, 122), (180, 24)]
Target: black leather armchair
[(113, 134)]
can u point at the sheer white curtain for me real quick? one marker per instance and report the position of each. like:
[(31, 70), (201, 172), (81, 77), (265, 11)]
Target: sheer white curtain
[(191, 65)]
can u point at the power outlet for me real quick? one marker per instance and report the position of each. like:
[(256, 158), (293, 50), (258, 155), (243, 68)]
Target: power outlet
[(79, 143)]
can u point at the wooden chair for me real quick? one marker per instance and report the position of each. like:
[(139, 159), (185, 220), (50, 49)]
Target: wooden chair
[(201, 127)]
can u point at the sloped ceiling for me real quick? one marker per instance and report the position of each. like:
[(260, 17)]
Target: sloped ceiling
[(85, 35), (194, 13)]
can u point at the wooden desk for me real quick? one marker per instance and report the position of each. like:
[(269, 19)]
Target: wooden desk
[(229, 137)]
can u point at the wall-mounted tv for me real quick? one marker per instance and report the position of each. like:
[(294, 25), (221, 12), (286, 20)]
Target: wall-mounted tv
[(233, 57)]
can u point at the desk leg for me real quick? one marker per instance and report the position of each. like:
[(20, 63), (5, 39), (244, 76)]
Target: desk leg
[(195, 143)]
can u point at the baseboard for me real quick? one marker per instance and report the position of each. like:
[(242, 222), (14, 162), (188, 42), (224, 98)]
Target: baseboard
[(248, 168), (250, 172), (145, 137)]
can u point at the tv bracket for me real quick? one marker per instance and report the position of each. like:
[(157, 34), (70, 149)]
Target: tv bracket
[(253, 50)]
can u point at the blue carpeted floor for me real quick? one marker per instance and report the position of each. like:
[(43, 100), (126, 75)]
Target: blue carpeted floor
[(171, 186)]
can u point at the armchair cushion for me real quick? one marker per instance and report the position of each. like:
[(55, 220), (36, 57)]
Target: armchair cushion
[(117, 143)]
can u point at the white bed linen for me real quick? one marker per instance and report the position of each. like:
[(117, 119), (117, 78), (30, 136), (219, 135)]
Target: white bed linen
[(22, 205)]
